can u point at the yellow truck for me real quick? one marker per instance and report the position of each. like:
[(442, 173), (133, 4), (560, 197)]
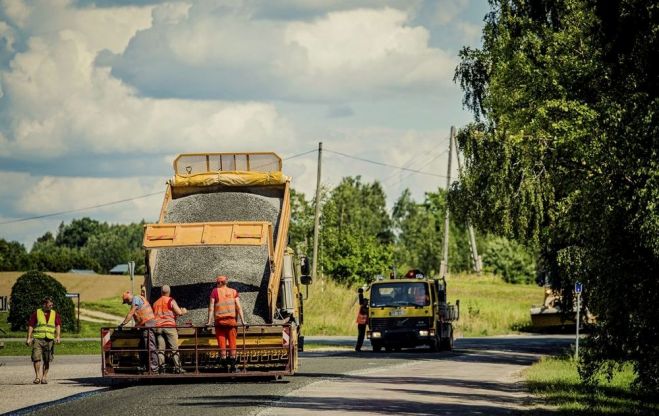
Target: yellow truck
[(409, 312), (222, 214)]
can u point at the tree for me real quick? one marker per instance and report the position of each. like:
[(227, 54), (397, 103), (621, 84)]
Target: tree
[(27, 295), (109, 249), (302, 222), (76, 234), (356, 241), (13, 256), (563, 157)]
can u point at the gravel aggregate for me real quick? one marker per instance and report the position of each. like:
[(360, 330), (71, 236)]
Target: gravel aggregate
[(191, 271)]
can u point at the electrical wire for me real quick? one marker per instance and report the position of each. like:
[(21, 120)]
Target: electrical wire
[(54, 214), (420, 172)]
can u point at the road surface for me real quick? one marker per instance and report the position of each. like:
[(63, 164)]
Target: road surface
[(481, 376)]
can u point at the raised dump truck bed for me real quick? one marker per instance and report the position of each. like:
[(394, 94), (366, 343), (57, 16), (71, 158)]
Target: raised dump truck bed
[(223, 213)]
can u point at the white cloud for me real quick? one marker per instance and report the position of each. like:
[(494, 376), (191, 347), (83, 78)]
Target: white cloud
[(61, 103), (348, 54), (448, 10)]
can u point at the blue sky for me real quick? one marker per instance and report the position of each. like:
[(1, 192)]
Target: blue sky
[(97, 97)]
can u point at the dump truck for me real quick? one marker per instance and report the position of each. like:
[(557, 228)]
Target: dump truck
[(410, 311), (222, 214)]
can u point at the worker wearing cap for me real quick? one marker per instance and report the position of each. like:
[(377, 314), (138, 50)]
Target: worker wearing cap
[(166, 310), (224, 309), (142, 313), (43, 331), (362, 320)]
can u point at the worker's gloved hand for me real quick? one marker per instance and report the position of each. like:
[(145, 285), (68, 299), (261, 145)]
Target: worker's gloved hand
[(120, 326)]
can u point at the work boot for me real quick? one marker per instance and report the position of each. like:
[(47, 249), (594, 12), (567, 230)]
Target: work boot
[(232, 365)]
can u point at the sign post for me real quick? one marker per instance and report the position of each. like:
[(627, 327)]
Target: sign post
[(578, 287), (131, 271)]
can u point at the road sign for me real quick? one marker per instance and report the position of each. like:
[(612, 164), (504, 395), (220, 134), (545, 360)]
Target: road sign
[(72, 295), (578, 287)]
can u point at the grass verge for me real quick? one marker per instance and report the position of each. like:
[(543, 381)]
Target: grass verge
[(64, 348), (112, 306), (556, 381), (488, 305), (87, 329)]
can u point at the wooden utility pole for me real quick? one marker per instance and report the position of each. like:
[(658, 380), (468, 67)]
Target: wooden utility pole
[(443, 268), (475, 258), (316, 225)]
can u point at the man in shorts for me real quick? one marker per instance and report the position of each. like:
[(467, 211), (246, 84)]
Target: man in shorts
[(43, 331)]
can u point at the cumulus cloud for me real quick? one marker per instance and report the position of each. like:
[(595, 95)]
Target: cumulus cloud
[(220, 52), (59, 102)]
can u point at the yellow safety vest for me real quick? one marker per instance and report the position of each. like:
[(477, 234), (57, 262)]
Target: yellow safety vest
[(45, 329)]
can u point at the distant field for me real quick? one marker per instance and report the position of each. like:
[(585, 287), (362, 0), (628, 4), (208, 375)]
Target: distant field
[(91, 287), (488, 306)]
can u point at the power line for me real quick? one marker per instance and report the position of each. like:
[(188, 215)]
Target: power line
[(54, 214), (433, 158), (121, 201), (420, 172)]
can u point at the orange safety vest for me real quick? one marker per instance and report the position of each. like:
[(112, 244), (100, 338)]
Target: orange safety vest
[(225, 306), (144, 315), (165, 317), (361, 318)]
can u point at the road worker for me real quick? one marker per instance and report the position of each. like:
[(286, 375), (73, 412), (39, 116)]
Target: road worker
[(362, 319), (142, 313), (43, 331), (166, 310), (224, 309)]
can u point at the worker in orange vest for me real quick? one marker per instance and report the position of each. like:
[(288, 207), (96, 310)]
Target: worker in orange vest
[(224, 309), (166, 310), (142, 313), (362, 319)]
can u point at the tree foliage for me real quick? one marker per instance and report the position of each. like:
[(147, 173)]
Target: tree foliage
[(356, 242), (27, 295), (563, 157)]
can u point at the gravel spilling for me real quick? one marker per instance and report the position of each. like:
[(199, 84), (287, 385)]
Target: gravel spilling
[(191, 271)]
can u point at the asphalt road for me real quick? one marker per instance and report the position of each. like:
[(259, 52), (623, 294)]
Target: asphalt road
[(254, 396)]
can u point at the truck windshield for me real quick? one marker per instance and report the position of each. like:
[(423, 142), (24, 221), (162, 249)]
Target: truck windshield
[(400, 294)]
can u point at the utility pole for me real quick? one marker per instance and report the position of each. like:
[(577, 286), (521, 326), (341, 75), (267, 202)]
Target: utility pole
[(316, 225), (475, 258), (443, 268)]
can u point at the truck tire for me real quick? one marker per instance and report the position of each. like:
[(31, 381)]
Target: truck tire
[(377, 347)]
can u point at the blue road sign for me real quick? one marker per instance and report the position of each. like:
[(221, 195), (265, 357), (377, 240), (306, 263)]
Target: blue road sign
[(578, 287)]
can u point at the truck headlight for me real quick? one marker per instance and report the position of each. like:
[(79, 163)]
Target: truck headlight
[(376, 335), (431, 333), (423, 333)]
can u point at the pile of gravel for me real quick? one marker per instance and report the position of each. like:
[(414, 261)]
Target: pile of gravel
[(191, 271)]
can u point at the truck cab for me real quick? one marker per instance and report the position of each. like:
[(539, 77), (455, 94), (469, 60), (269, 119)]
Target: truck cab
[(409, 312)]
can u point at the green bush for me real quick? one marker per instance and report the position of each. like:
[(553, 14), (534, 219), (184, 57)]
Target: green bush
[(510, 260), (27, 295)]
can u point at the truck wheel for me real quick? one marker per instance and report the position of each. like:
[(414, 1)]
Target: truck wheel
[(434, 344), (376, 347)]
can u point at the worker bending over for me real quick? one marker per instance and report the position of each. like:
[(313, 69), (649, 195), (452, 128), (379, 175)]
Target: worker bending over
[(224, 309), (141, 311)]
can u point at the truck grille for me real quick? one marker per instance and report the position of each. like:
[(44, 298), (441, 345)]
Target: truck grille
[(380, 324)]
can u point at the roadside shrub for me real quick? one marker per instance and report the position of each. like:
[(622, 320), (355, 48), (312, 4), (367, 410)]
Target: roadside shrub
[(27, 295), (510, 260)]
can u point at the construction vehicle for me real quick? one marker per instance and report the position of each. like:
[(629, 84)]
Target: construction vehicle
[(550, 315), (409, 312), (223, 213)]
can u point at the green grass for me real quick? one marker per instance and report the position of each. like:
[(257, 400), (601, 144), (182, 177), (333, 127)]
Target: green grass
[(65, 348), (87, 329), (556, 381), (488, 305), (112, 306)]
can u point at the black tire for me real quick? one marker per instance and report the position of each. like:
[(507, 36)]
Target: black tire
[(377, 347), (446, 344), (434, 345)]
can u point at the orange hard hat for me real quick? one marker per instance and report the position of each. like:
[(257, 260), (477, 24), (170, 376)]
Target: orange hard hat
[(221, 279), (127, 296)]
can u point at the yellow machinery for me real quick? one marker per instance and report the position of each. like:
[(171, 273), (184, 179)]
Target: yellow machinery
[(180, 254), (410, 311)]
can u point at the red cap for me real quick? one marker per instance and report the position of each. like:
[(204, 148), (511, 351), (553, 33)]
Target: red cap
[(221, 279)]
